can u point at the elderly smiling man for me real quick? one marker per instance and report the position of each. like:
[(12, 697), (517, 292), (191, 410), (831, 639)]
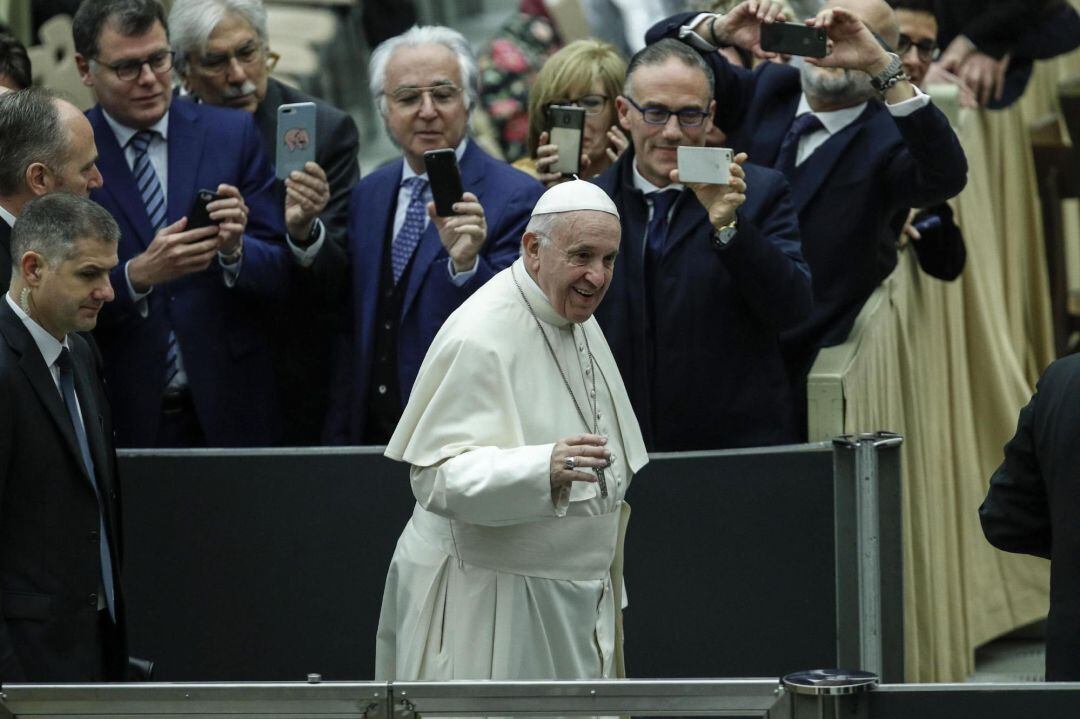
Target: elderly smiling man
[(522, 443)]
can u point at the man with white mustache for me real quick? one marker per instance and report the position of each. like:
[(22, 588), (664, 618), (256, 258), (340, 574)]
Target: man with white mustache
[(860, 144)]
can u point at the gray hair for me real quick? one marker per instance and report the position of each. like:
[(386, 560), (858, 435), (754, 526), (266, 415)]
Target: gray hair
[(192, 22), (30, 131), (660, 52), (51, 225), (419, 35), (544, 227)]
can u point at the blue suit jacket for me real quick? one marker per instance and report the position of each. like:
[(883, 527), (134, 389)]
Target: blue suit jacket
[(508, 197), (225, 350), (852, 194), (709, 375)]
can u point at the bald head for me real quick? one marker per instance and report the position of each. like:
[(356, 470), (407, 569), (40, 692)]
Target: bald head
[(876, 14)]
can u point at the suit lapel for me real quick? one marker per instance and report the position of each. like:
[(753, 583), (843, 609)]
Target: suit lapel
[(92, 417), (377, 204), (816, 168), (37, 374), (119, 182), (186, 136), (769, 133)]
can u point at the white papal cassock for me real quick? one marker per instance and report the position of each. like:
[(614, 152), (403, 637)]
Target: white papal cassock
[(490, 580)]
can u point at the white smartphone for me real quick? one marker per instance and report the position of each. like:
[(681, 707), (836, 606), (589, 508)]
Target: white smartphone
[(708, 165), (295, 137)]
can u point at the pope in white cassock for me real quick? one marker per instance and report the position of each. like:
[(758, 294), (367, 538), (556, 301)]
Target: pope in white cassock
[(522, 443)]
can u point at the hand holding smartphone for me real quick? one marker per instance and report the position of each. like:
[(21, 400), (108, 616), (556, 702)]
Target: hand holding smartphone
[(199, 216), (446, 188), (295, 137), (788, 38), (566, 128)]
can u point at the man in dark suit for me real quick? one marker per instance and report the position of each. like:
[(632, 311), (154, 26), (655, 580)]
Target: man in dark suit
[(410, 268), (708, 274), (61, 609), (1033, 506), (187, 357), (46, 145), (859, 143), (222, 51)]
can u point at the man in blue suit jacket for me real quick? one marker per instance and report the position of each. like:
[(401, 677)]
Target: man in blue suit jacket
[(855, 174), (410, 268), (693, 315), (187, 362)]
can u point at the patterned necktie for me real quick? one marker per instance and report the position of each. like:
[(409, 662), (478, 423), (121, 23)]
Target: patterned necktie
[(153, 198), (408, 237), (789, 149), (67, 389), (656, 233)]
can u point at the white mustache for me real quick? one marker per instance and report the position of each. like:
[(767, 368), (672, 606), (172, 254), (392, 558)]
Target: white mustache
[(233, 92)]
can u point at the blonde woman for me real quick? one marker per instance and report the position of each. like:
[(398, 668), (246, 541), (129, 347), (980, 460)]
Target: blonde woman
[(588, 74)]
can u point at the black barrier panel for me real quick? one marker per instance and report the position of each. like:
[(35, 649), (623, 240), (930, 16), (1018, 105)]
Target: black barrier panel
[(730, 564), (259, 566), (270, 565), (1002, 702)]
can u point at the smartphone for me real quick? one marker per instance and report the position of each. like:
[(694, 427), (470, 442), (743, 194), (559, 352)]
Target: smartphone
[(199, 215), (445, 179), (790, 38), (295, 137), (709, 165), (566, 125)]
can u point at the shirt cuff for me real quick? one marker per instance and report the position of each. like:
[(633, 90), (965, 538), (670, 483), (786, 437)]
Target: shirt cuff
[(139, 298), (910, 105), (230, 271), (305, 256), (460, 278), (691, 38)]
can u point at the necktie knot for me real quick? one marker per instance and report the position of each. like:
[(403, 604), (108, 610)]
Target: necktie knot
[(141, 140), (416, 185), (804, 124), (662, 202), (789, 149), (63, 361)]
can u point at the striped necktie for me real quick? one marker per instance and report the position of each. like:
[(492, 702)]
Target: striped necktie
[(153, 198)]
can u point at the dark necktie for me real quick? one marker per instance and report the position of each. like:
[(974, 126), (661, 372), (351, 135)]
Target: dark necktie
[(67, 389), (789, 149), (153, 198), (408, 237), (656, 233)]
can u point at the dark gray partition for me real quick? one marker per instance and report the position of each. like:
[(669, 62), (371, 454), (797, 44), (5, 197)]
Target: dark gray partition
[(269, 565)]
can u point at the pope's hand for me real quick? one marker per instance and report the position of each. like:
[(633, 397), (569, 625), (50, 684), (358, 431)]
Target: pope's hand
[(586, 451)]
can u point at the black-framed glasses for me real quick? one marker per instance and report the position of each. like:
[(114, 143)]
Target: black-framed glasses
[(410, 97), (927, 49), (688, 117), (218, 63), (591, 104), (128, 70)]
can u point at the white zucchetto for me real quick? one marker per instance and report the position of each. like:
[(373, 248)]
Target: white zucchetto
[(574, 195)]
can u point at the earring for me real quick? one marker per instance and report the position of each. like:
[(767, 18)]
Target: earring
[(24, 300)]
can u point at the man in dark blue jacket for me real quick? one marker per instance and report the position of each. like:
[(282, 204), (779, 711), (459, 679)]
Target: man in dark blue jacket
[(707, 277), (859, 143)]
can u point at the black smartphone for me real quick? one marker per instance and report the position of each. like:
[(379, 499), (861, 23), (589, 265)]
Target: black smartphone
[(788, 38), (445, 179), (199, 215), (566, 126)]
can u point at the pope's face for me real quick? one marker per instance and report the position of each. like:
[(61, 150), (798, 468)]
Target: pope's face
[(574, 268)]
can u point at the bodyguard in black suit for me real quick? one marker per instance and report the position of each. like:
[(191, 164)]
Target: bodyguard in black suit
[(60, 598), (222, 54), (1033, 506)]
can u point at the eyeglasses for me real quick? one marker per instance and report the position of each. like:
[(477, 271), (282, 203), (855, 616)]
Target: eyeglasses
[(218, 64), (128, 70), (927, 49), (659, 115), (591, 104), (411, 97)]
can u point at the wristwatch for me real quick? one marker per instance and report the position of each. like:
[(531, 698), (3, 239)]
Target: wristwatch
[(723, 235), (892, 74)]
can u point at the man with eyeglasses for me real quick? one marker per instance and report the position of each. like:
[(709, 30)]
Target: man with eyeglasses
[(410, 268), (187, 359), (223, 57), (858, 141), (708, 274)]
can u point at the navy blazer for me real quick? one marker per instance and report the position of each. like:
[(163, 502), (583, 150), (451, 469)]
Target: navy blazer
[(508, 197), (1033, 505), (709, 375), (852, 194), (225, 350), (50, 568)]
